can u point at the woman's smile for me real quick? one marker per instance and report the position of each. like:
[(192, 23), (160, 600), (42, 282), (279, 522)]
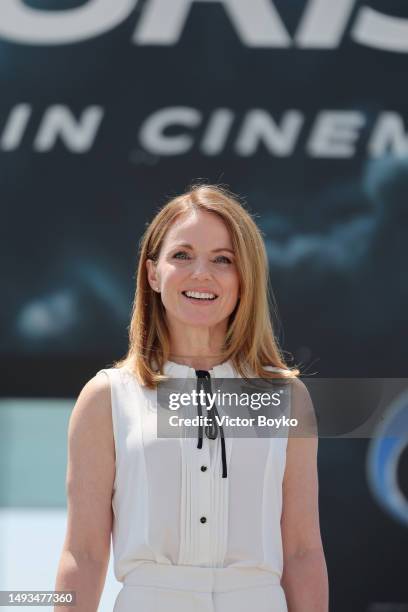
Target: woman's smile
[(199, 300)]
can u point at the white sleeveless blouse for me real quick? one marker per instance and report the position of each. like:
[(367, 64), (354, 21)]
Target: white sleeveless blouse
[(161, 494)]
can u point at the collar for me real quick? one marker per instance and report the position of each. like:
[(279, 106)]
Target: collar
[(178, 370)]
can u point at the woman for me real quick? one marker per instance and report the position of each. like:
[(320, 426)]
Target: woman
[(217, 525)]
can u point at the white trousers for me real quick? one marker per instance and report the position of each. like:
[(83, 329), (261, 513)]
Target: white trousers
[(154, 587)]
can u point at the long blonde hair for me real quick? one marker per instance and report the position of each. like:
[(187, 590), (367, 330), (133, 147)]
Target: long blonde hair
[(250, 342)]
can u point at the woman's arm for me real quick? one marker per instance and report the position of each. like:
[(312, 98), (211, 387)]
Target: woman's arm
[(89, 484), (305, 578)]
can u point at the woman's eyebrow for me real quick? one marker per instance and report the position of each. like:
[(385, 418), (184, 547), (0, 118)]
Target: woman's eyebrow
[(189, 246)]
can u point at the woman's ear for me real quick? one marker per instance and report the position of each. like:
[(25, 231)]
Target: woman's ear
[(152, 275)]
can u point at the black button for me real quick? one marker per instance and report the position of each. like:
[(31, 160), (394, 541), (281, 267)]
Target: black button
[(203, 519), (203, 468)]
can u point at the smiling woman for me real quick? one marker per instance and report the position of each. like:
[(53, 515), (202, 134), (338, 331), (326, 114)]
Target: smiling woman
[(197, 277), (217, 525), (202, 292)]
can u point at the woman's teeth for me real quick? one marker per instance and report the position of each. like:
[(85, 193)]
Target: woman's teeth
[(199, 296)]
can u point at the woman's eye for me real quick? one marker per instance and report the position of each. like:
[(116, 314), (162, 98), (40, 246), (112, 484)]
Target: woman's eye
[(222, 257), (180, 253)]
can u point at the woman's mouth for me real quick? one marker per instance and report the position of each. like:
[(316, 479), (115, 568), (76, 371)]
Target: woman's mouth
[(200, 298)]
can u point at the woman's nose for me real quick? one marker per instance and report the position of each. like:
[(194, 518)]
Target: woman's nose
[(201, 269)]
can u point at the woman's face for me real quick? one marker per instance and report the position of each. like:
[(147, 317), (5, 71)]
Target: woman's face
[(206, 265)]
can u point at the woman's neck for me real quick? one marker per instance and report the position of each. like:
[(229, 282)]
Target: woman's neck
[(198, 362)]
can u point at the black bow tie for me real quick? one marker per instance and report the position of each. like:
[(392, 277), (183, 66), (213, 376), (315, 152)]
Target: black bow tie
[(211, 430)]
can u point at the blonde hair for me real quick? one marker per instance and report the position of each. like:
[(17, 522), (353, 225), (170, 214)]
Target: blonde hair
[(250, 342)]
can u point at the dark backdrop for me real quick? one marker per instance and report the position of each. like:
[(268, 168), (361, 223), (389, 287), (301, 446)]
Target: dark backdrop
[(301, 108)]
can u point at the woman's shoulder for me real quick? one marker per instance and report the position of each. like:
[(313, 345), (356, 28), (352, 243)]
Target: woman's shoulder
[(122, 381), (114, 374), (96, 388), (92, 409), (272, 368)]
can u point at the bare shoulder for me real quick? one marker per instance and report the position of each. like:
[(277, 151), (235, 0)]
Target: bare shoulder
[(97, 387), (91, 449), (90, 424), (302, 408), (90, 471), (94, 400), (301, 405), (300, 516)]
